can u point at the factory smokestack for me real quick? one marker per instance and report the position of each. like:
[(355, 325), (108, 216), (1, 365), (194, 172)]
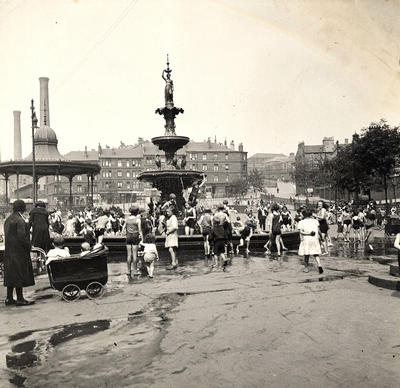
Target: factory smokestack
[(44, 101), (17, 135)]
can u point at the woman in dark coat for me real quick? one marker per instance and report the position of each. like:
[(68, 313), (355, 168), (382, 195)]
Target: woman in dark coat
[(18, 270), (39, 221)]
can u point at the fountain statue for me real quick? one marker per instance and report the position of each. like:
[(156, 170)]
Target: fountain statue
[(173, 177)]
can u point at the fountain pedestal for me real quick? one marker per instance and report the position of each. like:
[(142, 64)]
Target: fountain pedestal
[(173, 177)]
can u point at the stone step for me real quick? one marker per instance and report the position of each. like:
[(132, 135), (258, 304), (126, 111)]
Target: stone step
[(394, 270), (385, 281), (384, 260)]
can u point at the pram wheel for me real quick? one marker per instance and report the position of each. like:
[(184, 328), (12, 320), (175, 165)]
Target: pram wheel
[(71, 292), (94, 290)]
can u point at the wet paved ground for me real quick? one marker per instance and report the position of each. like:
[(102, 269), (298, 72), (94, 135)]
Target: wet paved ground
[(262, 323)]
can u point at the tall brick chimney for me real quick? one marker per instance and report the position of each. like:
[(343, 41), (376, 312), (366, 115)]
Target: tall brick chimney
[(17, 135), (44, 101)]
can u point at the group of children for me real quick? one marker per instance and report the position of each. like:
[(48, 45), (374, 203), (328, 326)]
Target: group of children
[(218, 231)]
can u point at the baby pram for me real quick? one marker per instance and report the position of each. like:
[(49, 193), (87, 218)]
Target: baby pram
[(71, 274), (38, 257)]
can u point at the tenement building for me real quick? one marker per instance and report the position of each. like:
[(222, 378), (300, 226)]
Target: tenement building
[(120, 167), (312, 157), (273, 167)]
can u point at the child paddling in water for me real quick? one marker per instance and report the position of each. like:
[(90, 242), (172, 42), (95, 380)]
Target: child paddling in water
[(150, 253)]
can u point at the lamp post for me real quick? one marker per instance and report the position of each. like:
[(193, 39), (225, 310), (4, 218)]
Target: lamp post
[(34, 126)]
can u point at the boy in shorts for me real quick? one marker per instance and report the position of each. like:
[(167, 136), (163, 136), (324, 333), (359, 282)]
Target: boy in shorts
[(218, 237)]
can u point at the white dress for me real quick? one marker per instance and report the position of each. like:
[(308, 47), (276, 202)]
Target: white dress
[(309, 245), (171, 240)]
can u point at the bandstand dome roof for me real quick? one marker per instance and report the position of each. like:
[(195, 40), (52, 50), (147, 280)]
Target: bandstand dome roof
[(46, 145), (45, 134)]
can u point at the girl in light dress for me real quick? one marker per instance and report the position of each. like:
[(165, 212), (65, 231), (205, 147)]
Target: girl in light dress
[(171, 239), (310, 244)]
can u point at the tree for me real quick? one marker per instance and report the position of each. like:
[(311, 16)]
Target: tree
[(237, 188), (256, 179), (378, 150), (303, 175)]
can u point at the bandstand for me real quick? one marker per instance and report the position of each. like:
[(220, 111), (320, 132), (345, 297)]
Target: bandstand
[(48, 160)]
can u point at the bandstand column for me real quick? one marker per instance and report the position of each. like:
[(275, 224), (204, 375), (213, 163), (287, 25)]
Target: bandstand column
[(91, 188), (88, 189), (17, 185), (70, 192), (36, 188), (6, 181)]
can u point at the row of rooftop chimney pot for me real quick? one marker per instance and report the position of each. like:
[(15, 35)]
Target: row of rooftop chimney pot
[(141, 141)]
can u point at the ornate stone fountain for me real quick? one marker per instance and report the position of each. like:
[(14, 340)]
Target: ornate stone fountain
[(172, 177)]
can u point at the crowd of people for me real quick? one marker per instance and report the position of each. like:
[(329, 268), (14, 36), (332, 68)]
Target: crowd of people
[(46, 230)]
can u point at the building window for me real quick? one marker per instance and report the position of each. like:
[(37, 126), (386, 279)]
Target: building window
[(226, 166), (204, 156), (226, 156), (133, 163), (128, 174), (215, 167), (204, 167), (127, 164), (193, 156), (149, 160), (109, 175), (227, 178), (215, 178), (79, 178), (119, 185), (119, 163), (119, 174), (79, 189), (134, 174), (128, 185), (194, 167), (215, 156), (95, 188)]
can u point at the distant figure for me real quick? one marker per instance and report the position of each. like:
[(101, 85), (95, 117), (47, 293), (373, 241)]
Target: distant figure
[(183, 162), (174, 162), (158, 162), (39, 222), (194, 191)]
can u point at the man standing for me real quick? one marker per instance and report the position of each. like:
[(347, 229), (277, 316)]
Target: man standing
[(18, 271), (262, 216)]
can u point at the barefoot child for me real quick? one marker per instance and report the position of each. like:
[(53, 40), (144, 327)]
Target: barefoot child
[(245, 235), (205, 224), (218, 237), (309, 245), (150, 253)]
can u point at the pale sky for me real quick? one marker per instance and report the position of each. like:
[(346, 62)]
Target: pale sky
[(268, 73)]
